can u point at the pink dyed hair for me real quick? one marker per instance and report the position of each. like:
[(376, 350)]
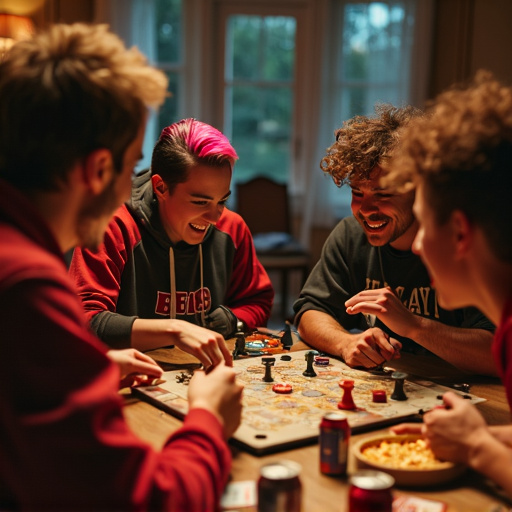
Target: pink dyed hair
[(186, 143)]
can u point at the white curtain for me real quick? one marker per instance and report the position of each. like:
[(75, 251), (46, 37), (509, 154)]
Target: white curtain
[(133, 21)]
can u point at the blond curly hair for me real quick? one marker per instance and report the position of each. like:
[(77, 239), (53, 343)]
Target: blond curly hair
[(364, 142), (462, 153)]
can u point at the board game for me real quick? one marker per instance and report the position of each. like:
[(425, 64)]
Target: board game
[(274, 422)]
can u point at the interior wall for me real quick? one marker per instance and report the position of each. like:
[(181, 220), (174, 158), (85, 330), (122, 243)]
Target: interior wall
[(470, 35)]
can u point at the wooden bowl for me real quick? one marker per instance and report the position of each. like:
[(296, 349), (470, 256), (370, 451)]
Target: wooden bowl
[(411, 477)]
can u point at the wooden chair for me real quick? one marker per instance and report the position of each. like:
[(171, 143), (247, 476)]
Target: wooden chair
[(264, 205)]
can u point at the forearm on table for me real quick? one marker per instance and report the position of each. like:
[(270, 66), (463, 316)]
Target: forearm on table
[(467, 349), (323, 332), (148, 334)]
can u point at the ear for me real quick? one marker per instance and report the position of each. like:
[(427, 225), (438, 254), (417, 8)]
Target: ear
[(462, 231), (159, 186), (98, 170)]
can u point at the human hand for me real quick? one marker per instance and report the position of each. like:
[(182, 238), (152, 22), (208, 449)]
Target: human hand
[(387, 307), (220, 393), (370, 348), (454, 430), (208, 346), (131, 363), (222, 320)]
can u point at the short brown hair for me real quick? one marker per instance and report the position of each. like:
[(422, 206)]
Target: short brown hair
[(462, 153), (363, 142), (66, 92)]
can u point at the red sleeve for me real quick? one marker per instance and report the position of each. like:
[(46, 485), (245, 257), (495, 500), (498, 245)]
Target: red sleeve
[(97, 274), (65, 444), (250, 294)]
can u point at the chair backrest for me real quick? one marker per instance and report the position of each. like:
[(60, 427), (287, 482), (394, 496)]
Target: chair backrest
[(263, 204)]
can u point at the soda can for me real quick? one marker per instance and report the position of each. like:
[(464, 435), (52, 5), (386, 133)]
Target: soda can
[(370, 491), (279, 487), (334, 437)]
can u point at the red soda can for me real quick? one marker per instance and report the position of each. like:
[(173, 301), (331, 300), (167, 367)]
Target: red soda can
[(334, 437), (370, 491), (279, 487)]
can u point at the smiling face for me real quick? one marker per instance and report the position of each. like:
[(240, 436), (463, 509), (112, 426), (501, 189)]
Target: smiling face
[(194, 205), (384, 216)]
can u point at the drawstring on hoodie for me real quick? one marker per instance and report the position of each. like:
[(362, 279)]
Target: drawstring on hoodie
[(172, 309)]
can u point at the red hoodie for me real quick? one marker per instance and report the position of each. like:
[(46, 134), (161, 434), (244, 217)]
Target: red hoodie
[(64, 442)]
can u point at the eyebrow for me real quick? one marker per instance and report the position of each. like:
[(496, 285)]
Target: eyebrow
[(374, 189), (209, 198)]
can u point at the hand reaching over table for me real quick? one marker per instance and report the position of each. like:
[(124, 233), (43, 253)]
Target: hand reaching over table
[(133, 364)]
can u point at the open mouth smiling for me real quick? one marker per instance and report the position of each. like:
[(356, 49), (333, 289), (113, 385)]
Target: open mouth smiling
[(197, 227), (375, 225)]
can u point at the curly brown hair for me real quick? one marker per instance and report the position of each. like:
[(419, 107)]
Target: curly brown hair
[(364, 142), (462, 153)]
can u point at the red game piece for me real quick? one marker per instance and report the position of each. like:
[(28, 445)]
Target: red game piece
[(347, 402), (379, 396), (282, 388)]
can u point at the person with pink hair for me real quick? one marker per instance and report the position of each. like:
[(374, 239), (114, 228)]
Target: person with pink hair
[(177, 267)]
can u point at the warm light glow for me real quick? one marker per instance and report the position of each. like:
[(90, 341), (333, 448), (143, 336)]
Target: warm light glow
[(21, 7), (15, 27)]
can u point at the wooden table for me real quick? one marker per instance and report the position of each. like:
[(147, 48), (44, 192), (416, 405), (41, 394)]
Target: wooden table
[(469, 493)]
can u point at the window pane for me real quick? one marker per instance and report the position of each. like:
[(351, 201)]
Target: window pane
[(372, 39), (260, 48), (259, 80), (169, 30), (261, 130), (168, 112)]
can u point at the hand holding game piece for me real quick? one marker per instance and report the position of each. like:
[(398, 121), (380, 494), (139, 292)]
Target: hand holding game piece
[(398, 392), (133, 365), (310, 357), (268, 362), (220, 393), (347, 401)]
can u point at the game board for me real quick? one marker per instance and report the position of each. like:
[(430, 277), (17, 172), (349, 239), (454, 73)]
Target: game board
[(273, 422)]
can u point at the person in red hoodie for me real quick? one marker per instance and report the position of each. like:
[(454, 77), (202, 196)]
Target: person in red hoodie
[(175, 258), (73, 106)]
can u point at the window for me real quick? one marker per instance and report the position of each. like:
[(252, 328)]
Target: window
[(169, 55), (259, 93), (278, 77)]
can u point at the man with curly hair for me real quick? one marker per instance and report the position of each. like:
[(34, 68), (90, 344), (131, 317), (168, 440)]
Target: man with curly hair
[(368, 280), (460, 160)]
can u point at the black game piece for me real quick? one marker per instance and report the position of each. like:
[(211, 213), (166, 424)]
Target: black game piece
[(286, 358), (310, 357), (398, 392), (286, 338), (268, 362), (239, 345)]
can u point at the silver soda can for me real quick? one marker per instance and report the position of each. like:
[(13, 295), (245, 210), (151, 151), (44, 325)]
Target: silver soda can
[(279, 487)]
